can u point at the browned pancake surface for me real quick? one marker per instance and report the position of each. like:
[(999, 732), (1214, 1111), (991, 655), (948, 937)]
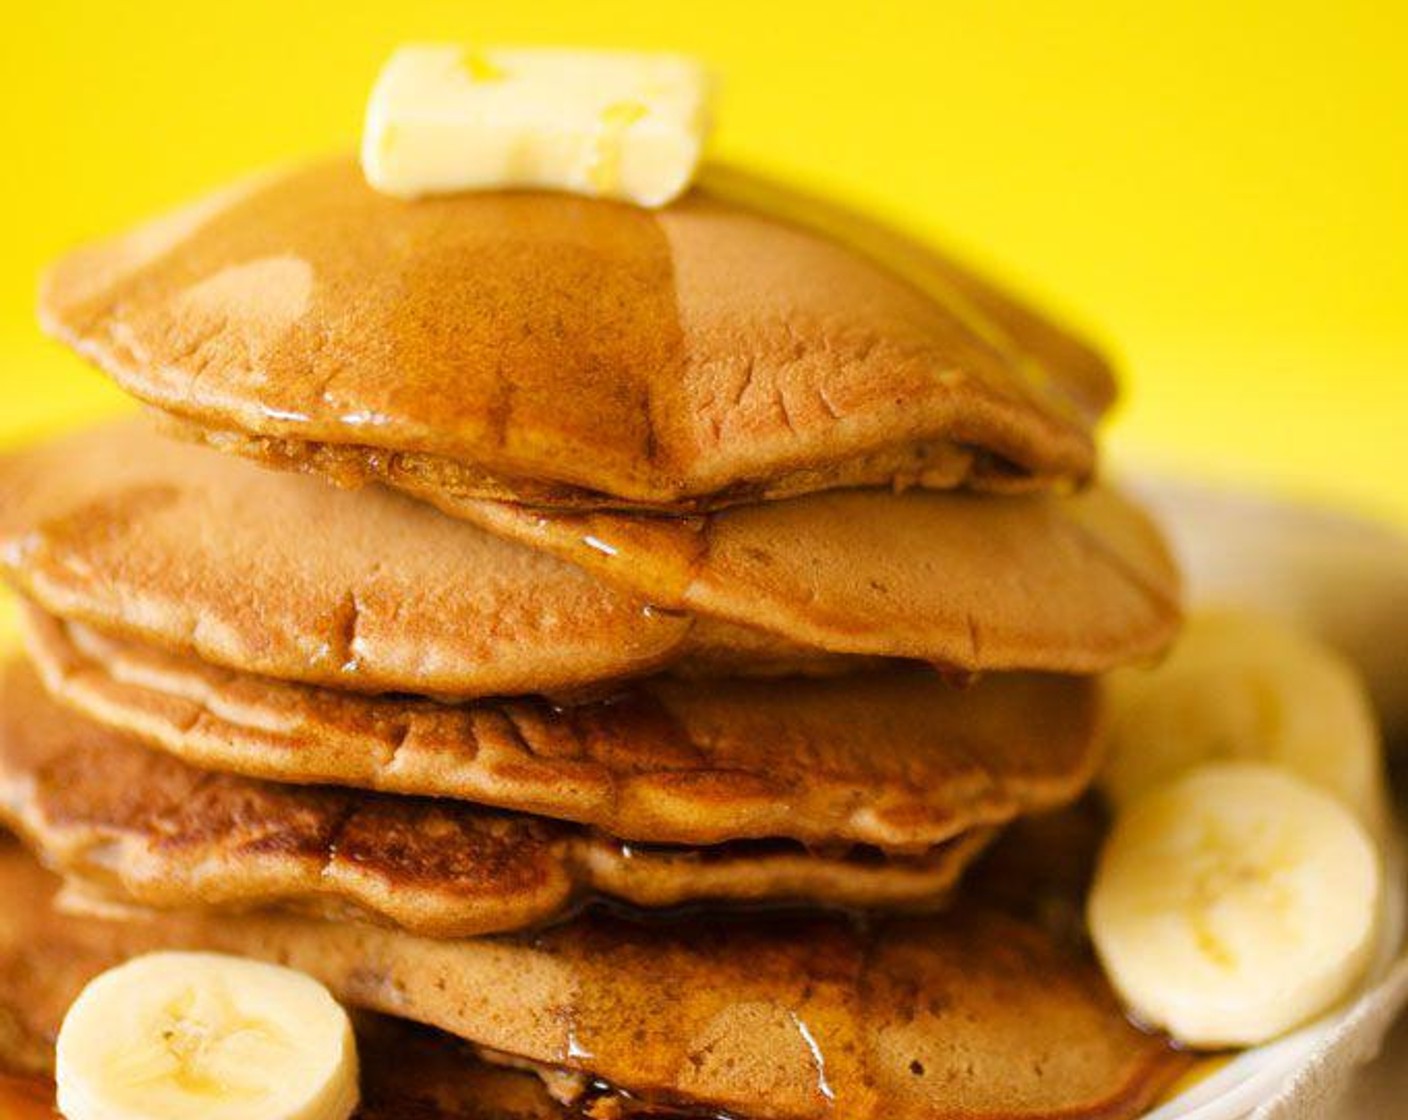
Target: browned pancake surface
[(965, 1014), (1077, 584), (289, 578), (896, 759), (149, 828), (275, 574), (562, 349)]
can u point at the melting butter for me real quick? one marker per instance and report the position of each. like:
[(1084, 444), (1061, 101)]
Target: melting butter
[(623, 125)]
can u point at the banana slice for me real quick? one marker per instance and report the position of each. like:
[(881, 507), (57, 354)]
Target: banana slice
[(1244, 686), (1235, 904), (172, 1036)]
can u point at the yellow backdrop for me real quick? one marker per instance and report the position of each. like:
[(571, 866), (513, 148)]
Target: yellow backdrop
[(1218, 190)]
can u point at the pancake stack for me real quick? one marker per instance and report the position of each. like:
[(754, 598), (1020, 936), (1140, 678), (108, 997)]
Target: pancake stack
[(649, 619)]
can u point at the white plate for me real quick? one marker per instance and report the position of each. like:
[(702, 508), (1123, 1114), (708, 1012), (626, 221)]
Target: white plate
[(1254, 1076), (1347, 580)]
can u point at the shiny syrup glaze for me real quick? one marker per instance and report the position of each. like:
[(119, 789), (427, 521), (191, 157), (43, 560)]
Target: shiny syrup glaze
[(858, 1016), (817, 989), (907, 575), (707, 350), (581, 256), (26, 1097)]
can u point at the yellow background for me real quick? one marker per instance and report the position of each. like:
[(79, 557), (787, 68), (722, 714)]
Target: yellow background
[(1218, 190)]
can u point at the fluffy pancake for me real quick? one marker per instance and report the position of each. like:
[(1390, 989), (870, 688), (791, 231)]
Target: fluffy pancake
[(969, 1012), (1076, 584), (46, 958), (864, 571), (564, 350), (292, 579), (897, 759), (274, 574), (151, 829)]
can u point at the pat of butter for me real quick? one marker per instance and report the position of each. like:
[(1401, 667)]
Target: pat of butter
[(610, 124)]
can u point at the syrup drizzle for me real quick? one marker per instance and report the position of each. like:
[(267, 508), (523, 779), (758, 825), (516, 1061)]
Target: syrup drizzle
[(823, 1086)]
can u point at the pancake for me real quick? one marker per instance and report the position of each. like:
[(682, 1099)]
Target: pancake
[(868, 572), (285, 577), (148, 828), (1077, 584), (407, 1073), (970, 1013), (270, 573), (897, 760), (562, 350)]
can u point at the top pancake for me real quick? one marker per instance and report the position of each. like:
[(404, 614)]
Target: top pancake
[(566, 351)]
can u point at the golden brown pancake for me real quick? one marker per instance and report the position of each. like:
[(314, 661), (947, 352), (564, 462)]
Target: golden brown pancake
[(274, 574), (967, 1013), (565, 350), (407, 1072), (292, 579), (898, 760), (26, 1097), (148, 828), (1077, 584), (863, 571)]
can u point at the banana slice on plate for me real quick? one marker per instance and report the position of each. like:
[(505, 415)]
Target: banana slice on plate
[(1235, 903), (180, 1035), (1240, 685)]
